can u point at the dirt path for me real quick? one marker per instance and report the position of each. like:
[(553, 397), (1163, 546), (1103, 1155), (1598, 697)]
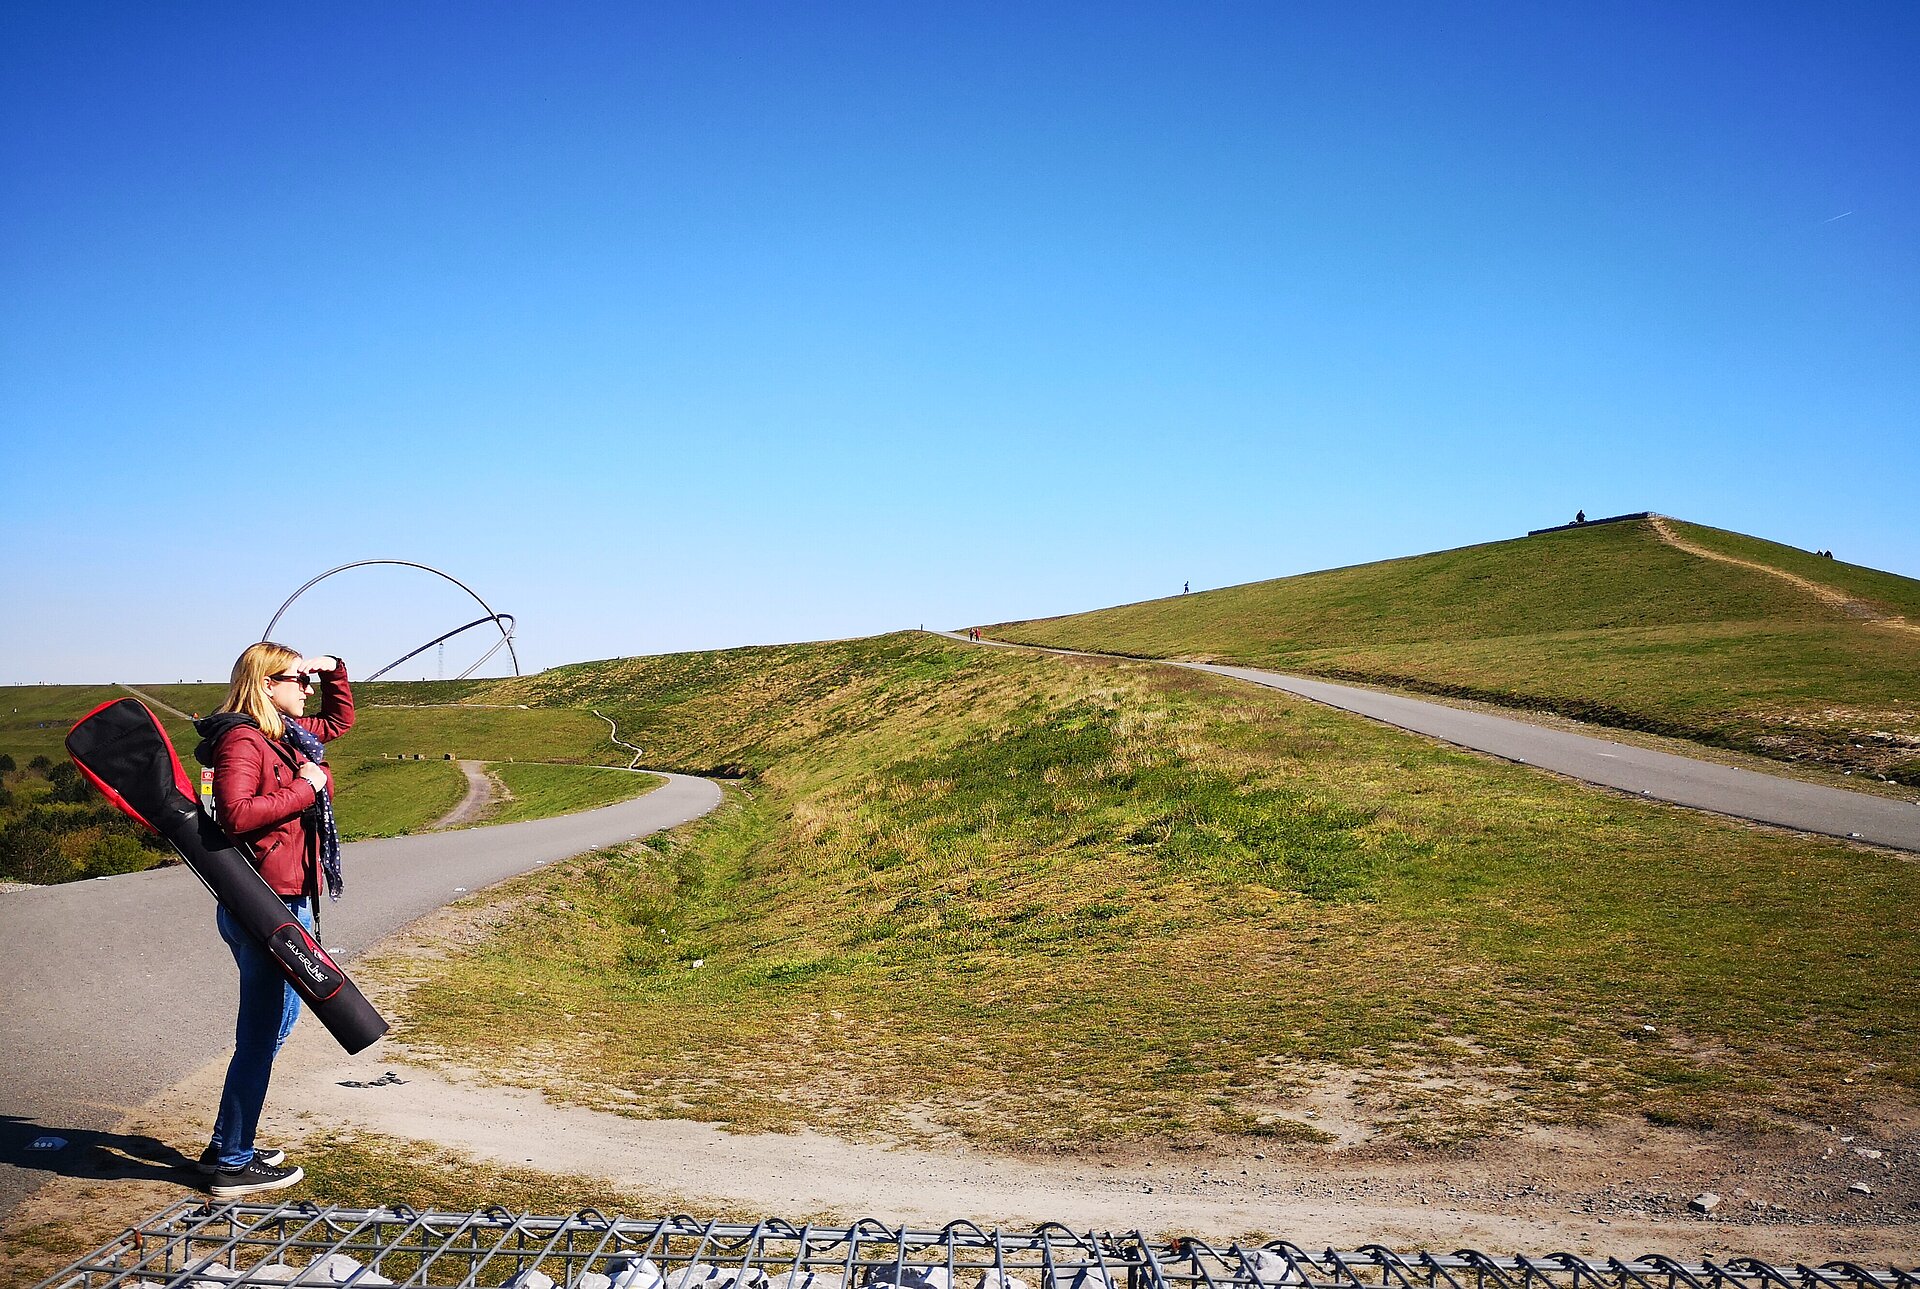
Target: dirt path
[(613, 736), (479, 796), (1860, 609), (1618, 1191), (1621, 1188), (151, 701)]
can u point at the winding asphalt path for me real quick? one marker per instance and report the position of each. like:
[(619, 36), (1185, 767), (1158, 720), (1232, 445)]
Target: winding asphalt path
[(1658, 776), (113, 990)]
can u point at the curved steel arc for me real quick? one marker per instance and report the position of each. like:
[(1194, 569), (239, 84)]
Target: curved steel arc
[(503, 620), (506, 638), (506, 634)]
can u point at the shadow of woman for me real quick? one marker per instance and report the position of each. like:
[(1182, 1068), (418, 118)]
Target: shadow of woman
[(99, 1156)]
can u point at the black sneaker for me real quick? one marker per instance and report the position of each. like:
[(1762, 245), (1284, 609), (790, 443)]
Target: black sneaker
[(210, 1162), (256, 1176)]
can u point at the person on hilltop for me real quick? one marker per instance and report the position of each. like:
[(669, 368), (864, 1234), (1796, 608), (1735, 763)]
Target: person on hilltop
[(1579, 516), (272, 794)]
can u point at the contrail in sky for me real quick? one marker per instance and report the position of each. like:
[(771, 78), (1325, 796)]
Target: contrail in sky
[(1842, 215)]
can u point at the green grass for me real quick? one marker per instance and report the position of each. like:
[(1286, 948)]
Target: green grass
[(542, 791), (34, 719), (362, 1170), (376, 798), (1890, 591), (1038, 900), (1608, 624), (475, 734)]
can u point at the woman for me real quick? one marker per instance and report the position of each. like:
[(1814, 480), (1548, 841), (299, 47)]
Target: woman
[(272, 794)]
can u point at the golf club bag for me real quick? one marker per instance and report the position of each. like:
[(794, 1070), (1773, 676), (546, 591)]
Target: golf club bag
[(123, 750)]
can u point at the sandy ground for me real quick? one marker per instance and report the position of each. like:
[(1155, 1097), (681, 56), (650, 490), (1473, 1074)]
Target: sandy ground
[(1619, 1192)]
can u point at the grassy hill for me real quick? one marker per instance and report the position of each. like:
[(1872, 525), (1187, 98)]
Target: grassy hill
[(1042, 900), (1784, 653)]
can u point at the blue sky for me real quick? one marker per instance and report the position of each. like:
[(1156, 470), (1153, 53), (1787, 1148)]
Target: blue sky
[(681, 326)]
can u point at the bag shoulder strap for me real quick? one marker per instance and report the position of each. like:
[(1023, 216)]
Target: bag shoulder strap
[(312, 846)]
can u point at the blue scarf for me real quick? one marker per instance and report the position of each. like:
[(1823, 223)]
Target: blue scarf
[(310, 747)]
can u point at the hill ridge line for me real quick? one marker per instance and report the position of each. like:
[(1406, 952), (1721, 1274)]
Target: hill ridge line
[(1860, 609), (1642, 772)]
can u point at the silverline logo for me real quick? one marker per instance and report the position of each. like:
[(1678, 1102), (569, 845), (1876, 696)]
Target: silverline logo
[(303, 960)]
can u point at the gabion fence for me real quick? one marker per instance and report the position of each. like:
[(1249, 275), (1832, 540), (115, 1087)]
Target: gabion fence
[(194, 1245)]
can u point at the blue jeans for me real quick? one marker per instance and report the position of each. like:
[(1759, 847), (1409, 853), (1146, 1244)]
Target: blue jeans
[(268, 1008)]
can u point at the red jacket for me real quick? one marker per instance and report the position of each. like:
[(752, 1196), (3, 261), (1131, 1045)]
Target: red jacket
[(261, 800)]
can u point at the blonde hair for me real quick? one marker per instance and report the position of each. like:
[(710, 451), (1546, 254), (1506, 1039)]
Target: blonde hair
[(247, 694)]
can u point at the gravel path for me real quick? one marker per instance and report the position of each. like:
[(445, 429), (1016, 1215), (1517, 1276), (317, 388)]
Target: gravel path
[(1617, 1190)]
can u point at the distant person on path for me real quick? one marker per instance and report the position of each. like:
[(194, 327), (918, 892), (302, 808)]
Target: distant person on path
[(1579, 516), (272, 795), (1185, 587)]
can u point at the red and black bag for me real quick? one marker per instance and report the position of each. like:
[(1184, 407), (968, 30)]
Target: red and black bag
[(124, 751)]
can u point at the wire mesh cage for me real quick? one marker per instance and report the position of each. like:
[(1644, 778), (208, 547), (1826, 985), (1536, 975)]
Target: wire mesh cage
[(193, 1245)]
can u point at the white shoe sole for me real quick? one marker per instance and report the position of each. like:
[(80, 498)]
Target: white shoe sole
[(271, 1158), (293, 1178)]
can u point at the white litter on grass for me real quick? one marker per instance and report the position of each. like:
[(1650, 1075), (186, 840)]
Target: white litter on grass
[(592, 1280), (1001, 1280), (531, 1278), (1270, 1268), (635, 1273), (212, 1276), (1084, 1278)]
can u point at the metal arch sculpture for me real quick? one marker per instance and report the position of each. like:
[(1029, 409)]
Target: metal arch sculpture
[(504, 621)]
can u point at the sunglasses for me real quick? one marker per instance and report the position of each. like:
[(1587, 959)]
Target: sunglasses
[(304, 681)]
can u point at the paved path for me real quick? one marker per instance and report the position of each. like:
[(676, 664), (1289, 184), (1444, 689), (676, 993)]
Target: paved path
[(1659, 776), (113, 990)]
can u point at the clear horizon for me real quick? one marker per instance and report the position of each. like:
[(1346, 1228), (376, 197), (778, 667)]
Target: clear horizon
[(671, 327)]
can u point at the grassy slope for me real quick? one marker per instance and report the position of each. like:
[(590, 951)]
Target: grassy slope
[(34, 719), (377, 798), (1888, 590), (1608, 624), (1031, 898), (542, 791)]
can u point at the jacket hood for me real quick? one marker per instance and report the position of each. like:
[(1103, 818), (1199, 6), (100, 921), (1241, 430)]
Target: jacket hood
[(213, 728)]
